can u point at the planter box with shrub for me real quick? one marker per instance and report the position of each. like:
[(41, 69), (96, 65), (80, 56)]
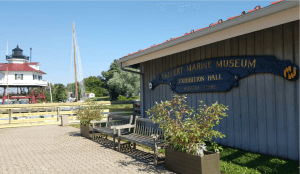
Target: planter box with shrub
[(86, 131), (185, 163), (185, 133), (88, 113)]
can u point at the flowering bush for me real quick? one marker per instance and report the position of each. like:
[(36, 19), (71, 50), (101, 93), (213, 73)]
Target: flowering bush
[(90, 112), (184, 129)]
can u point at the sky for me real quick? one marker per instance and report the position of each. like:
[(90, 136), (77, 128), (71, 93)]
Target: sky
[(105, 30)]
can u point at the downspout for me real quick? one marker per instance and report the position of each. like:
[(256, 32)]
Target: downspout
[(142, 112)]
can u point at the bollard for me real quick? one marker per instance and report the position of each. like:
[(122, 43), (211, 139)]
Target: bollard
[(65, 120)]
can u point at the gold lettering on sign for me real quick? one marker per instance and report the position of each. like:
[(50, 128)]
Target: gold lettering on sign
[(194, 67), (244, 62), (209, 64), (251, 64), (206, 87), (189, 68), (219, 64), (204, 65), (225, 63), (214, 77), (178, 71), (198, 66), (220, 78), (191, 79), (237, 61), (231, 62)]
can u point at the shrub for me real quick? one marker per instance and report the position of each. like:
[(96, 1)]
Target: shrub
[(184, 129), (90, 112)]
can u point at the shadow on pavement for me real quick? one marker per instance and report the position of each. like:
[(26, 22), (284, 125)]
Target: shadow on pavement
[(144, 161), (74, 134)]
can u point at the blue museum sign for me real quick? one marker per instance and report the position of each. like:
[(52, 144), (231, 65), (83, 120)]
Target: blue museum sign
[(221, 74)]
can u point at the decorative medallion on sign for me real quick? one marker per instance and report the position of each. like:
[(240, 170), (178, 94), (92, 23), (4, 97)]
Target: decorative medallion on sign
[(221, 74)]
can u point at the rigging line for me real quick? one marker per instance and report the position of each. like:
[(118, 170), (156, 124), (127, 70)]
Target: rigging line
[(71, 67), (79, 70)]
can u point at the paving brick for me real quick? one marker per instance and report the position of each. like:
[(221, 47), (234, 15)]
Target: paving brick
[(55, 149)]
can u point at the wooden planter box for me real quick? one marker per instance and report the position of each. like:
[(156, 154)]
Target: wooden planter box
[(86, 131), (184, 163)]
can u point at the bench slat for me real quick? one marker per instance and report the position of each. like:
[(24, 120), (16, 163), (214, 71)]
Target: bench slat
[(140, 139)]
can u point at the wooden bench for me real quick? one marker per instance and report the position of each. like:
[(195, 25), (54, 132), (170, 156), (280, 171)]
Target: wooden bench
[(111, 122), (145, 132)]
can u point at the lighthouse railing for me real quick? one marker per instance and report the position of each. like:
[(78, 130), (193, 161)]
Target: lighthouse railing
[(17, 56)]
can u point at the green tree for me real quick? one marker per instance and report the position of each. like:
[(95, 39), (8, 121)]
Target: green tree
[(125, 82), (95, 85), (114, 67), (47, 93), (59, 92), (107, 75)]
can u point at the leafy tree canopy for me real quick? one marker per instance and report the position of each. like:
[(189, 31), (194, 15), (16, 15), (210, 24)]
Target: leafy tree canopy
[(59, 93), (114, 67), (95, 85), (125, 82)]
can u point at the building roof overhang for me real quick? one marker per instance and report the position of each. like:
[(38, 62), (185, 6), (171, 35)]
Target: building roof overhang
[(275, 14)]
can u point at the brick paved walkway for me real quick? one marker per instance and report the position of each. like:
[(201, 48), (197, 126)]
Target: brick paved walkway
[(56, 149)]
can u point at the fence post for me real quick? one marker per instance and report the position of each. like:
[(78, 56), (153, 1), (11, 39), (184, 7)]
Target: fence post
[(9, 112), (57, 114), (133, 107)]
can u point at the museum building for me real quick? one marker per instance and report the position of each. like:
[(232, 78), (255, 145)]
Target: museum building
[(248, 63)]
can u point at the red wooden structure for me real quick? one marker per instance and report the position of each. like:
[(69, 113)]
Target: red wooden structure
[(32, 98)]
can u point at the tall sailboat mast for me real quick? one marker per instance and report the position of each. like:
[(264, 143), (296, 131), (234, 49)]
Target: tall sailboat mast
[(76, 92)]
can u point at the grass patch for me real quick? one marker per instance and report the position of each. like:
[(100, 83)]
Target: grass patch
[(75, 125), (236, 161), (121, 110), (119, 106)]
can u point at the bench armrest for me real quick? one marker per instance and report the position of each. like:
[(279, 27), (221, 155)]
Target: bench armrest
[(126, 126), (122, 126), (101, 121)]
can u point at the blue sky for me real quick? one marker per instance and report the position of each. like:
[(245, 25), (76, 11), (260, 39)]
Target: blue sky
[(105, 30)]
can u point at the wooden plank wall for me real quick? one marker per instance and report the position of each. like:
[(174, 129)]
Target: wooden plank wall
[(263, 110)]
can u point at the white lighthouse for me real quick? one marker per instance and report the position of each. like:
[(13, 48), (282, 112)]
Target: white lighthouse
[(20, 74)]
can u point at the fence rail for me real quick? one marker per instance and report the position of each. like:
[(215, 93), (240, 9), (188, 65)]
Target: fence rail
[(17, 111)]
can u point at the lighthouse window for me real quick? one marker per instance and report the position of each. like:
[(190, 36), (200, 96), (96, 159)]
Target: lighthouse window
[(18, 76), (34, 77), (40, 77)]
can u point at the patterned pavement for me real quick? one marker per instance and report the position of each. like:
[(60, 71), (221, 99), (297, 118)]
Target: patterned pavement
[(56, 149)]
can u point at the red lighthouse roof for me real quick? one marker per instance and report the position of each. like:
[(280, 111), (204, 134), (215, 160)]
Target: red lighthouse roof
[(19, 67)]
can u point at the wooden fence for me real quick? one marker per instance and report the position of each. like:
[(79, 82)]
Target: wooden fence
[(21, 114)]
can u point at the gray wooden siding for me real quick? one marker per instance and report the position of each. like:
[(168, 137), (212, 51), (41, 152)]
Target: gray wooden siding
[(263, 110)]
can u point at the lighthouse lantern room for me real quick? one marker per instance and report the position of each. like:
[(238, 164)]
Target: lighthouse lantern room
[(19, 78)]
